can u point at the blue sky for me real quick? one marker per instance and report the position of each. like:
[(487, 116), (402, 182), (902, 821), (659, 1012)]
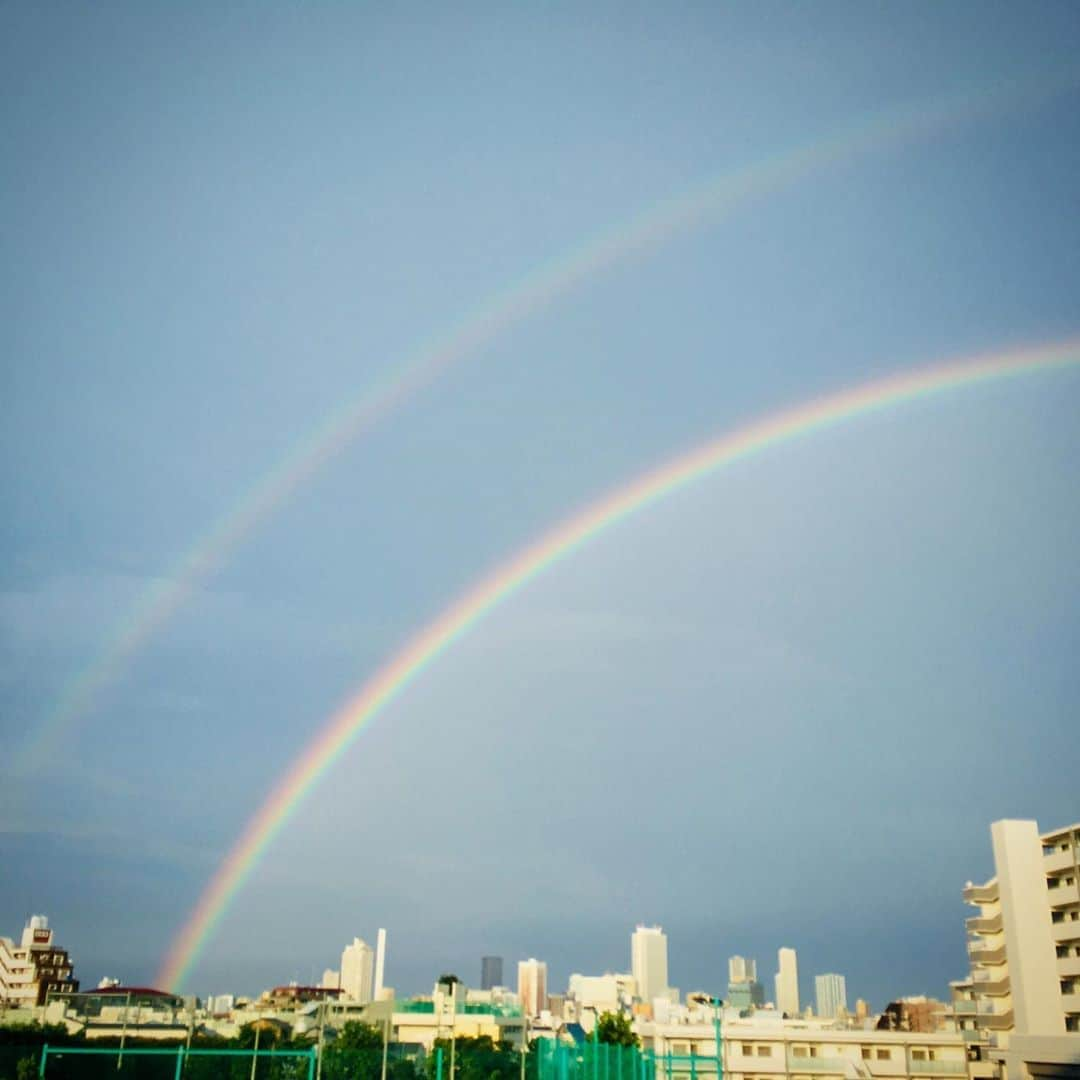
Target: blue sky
[(781, 708)]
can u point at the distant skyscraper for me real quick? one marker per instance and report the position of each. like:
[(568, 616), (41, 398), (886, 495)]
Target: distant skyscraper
[(491, 974), (380, 963), (831, 993), (532, 986), (356, 964), (648, 961), (741, 969), (787, 983)]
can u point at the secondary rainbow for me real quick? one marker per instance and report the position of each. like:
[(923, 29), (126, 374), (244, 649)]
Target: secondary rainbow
[(710, 201), (511, 576)]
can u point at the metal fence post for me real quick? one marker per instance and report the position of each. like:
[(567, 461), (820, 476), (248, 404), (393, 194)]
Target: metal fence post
[(312, 1055), (179, 1062), (438, 1063), (41, 1064)]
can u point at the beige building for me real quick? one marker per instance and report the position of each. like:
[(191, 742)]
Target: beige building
[(532, 986), (773, 1049), (1019, 1008)]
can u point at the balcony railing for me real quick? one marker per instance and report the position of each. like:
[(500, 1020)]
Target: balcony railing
[(938, 1068), (816, 1064)]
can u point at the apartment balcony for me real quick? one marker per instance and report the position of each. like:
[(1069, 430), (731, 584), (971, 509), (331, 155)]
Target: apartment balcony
[(1059, 860), (981, 894), (1070, 1003), (996, 1021), (1063, 895), (815, 1065), (1068, 967), (991, 984), (1069, 930), (980, 925), (986, 954), (962, 1008), (938, 1068)]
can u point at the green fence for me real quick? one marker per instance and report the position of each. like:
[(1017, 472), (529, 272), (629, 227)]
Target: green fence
[(588, 1061), (546, 1060)]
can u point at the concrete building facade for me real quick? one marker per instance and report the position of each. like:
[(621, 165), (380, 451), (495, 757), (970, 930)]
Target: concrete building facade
[(787, 982), (532, 986), (830, 992), (649, 962), (34, 969), (1019, 1007), (491, 972), (357, 976)]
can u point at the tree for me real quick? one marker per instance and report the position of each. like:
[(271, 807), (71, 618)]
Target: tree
[(355, 1035), (614, 1028)]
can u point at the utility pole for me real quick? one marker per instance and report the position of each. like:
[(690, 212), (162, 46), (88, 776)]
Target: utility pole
[(386, 1039), (319, 1044), (123, 1031), (255, 1054), (453, 1026)]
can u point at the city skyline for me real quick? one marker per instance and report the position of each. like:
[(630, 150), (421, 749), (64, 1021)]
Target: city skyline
[(555, 254)]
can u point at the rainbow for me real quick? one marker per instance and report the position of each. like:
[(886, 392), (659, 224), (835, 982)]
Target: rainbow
[(513, 575), (707, 202)]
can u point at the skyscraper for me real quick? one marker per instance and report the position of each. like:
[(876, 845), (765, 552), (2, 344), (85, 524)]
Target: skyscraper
[(648, 962), (491, 972), (380, 963), (741, 969), (787, 982), (356, 964), (831, 993), (532, 986)]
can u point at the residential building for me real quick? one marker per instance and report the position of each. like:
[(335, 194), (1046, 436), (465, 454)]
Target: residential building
[(787, 982), (532, 986), (913, 1014), (35, 968), (491, 972), (830, 992), (766, 1047), (1019, 1007), (649, 962), (357, 962), (597, 994)]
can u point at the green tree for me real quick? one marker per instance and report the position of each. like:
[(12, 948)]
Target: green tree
[(356, 1035), (615, 1028)]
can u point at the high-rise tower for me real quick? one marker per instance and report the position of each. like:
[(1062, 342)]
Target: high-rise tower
[(787, 982), (648, 962)]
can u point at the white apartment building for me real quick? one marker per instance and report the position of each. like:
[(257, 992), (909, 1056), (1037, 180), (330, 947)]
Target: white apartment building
[(1019, 1008), (769, 1048), (831, 994), (35, 968), (648, 962), (357, 962), (594, 994), (532, 986), (787, 982)]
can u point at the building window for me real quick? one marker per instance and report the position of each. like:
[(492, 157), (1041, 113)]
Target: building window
[(799, 1052), (764, 1051), (747, 1049), (1058, 916), (884, 1054)]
